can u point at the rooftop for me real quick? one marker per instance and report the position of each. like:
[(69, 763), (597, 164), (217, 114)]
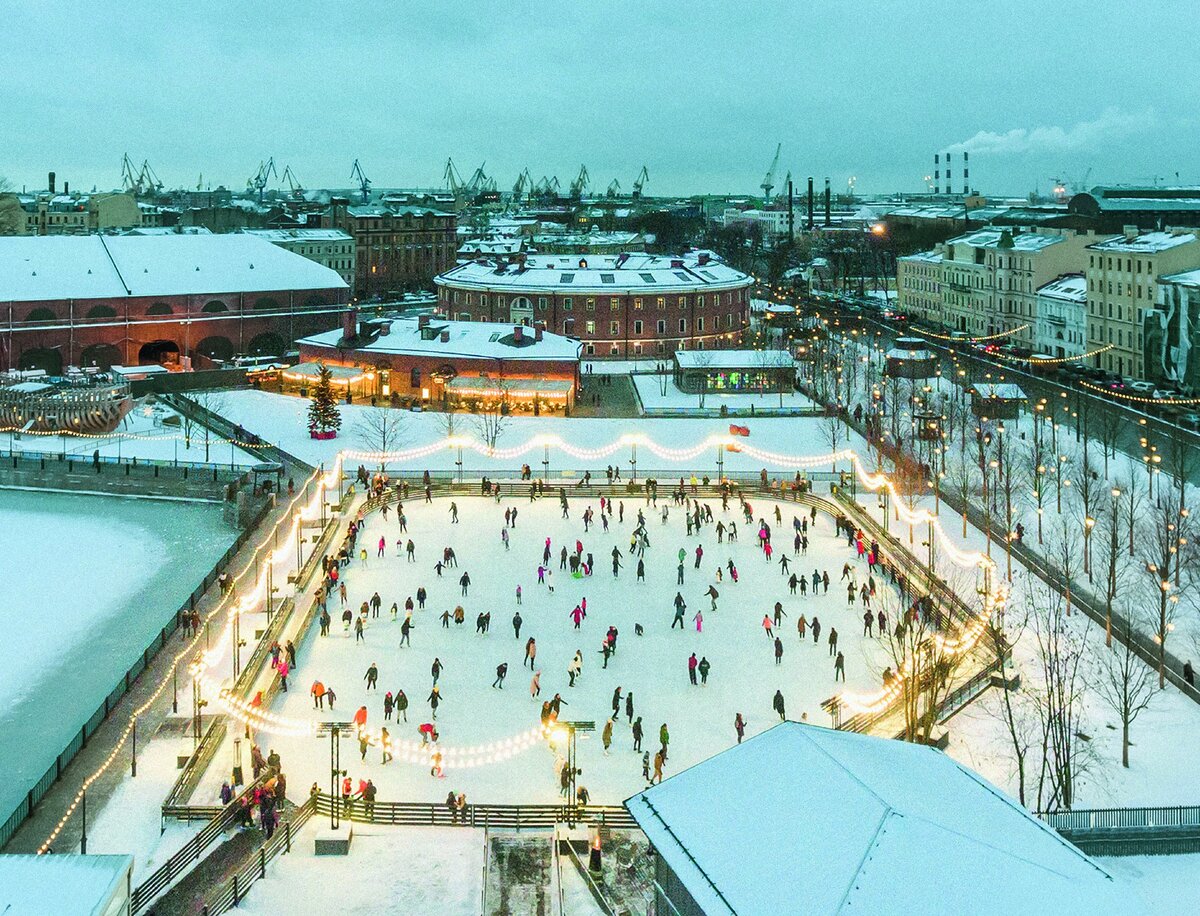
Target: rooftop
[(1187, 278), (469, 339), (371, 210), (1021, 241), (42, 268), (599, 273), (66, 884), (1071, 287), (1146, 242), (734, 359), (299, 235), (931, 257), (803, 819)]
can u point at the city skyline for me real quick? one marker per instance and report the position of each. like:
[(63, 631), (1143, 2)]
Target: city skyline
[(700, 95)]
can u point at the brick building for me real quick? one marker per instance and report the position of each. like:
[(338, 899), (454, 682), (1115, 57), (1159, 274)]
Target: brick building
[(397, 249), (621, 306), (103, 300)]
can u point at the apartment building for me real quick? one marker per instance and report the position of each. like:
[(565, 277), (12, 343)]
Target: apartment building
[(919, 285), (330, 248), (1123, 286), (1062, 316)]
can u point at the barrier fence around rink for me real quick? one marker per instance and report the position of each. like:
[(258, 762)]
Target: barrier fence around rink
[(249, 592)]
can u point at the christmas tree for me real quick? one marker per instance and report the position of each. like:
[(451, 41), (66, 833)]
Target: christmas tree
[(323, 416)]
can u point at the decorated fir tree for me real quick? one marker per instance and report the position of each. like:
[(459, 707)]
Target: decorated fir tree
[(323, 416)]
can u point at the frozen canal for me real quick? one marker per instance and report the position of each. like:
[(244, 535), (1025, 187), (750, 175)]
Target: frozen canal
[(90, 580)]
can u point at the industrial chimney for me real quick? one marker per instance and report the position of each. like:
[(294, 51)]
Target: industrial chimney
[(828, 215), (937, 173), (966, 174), (791, 213), (51, 183), (810, 203)]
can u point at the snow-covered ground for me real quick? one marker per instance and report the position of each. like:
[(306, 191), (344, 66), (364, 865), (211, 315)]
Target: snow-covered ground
[(150, 431), (744, 674), (1165, 883), (281, 419), (389, 870), (650, 391), (90, 580)]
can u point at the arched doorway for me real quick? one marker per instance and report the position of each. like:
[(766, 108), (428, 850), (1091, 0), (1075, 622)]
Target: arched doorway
[(158, 353), (102, 356), (267, 344), (45, 358), (216, 348), (520, 310)]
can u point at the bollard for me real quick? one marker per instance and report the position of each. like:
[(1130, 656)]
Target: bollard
[(262, 861)]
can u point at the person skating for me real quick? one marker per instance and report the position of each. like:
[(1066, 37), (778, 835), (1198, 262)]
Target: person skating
[(606, 736), (535, 685), (779, 614), (815, 627), (372, 676), (777, 705), (739, 726), (659, 759), (388, 704), (833, 637), (629, 706), (664, 738), (766, 625), (637, 734), (530, 652), (839, 668), (712, 595), (318, 695), (704, 667), (778, 651), (358, 630), (501, 673), (434, 699), (868, 623), (464, 580), (405, 632), (646, 767), (401, 705), (691, 665), (436, 670)]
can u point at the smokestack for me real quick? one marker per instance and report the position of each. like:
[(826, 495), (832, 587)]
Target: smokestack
[(518, 333), (966, 174), (937, 173), (828, 217), (538, 331), (66, 187), (810, 203), (791, 214), (50, 183), (349, 323)]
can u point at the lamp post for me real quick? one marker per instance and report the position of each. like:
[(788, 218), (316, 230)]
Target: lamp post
[(335, 773), (1088, 524)]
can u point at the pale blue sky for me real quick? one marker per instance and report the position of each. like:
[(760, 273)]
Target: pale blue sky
[(699, 91)]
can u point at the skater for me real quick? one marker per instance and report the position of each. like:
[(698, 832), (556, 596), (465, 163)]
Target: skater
[(815, 627), (637, 734), (778, 651), (388, 705), (739, 726), (713, 595), (692, 663), (766, 625), (401, 705), (704, 667), (699, 621), (535, 685), (405, 632), (436, 670), (501, 673), (516, 622), (464, 581), (839, 668), (832, 641), (777, 705), (629, 707), (530, 652), (435, 698), (606, 736), (372, 676)]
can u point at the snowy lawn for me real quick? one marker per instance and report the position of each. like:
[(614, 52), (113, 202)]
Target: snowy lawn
[(1165, 883), (98, 577), (650, 391), (654, 667), (389, 870)]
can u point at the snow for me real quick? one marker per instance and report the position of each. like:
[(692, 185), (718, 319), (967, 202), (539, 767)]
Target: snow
[(650, 393), (92, 580), (1165, 883), (867, 804), (744, 675), (467, 339), (389, 869), (61, 885), (757, 360), (43, 268)]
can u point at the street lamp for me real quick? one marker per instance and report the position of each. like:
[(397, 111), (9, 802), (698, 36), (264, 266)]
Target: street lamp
[(1088, 524)]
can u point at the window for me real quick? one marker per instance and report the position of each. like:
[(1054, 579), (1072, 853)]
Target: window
[(414, 377), (637, 327), (567, 278), (700, 301), (637, 303), (661, 348), (614, 328), (567, 304), (590, 327), (591, 305), (541, 303), (648, 278), (614, 350), (608, 278), (682, 325), (683, 302), (661, 326), (589, 349), (614, 304), (661, 302), (700, 323)]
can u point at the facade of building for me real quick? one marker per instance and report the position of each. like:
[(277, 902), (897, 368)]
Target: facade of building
[(734, 370), (1110, 209), (330, 248), (100, 300), (1170, 332), (629, 305), (1062, 316), (396, 248), (429, 359), (1122, 287), (990, 278), (71, 214), (919, 286)]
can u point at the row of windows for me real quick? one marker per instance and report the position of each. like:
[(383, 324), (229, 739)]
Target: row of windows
[(1132, 265), (614, 327), (568, 302)]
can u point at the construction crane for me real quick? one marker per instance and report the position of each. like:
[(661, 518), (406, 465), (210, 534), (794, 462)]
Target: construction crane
[(580, 184), (293, 183), (768, 181), (614, 189), (364, 183), (640, 182), (266, 171)]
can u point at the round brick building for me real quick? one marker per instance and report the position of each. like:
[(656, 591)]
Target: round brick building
[(618, 306)]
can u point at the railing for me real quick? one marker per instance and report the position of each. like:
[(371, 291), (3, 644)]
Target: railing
[(231, 894), (224, 817), (597, 894), (246, 440), (498, 817), (75, 461), (1107, 818), (189, 776), (1129, 831), (40, 788)]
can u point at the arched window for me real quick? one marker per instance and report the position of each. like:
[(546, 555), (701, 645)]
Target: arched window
[(41, 315), (216, 305), (265, 304), (102, 311), (216, 348), (160, 308)]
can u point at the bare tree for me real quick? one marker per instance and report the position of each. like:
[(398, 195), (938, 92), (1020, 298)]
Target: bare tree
[(1166, 550), (209, 401), (381, 429), (1126, 684), (1115, 568), (1111, 424), (833, 432), (12, 215), (492, 418), (1007, 626), (702, 359)]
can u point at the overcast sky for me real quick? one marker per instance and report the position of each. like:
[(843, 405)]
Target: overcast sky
[(700, 92)]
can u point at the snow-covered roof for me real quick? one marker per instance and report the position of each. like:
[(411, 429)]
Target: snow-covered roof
[(40, 268), (734, 359), (566, 274), (931, 257), (477, 339), (1187, 278), (993, 238), (1069, 287), (66, 884), (376, 210), (299, 235), (1004, 391), (1146, 242), (803, 819)]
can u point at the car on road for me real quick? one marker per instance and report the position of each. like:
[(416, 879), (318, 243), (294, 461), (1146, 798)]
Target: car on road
[(1141, 387)]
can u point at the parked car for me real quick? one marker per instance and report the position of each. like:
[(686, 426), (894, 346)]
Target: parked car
[(1141, 387)]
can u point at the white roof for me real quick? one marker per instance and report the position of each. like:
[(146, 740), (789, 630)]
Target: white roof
[(299, 235), (734, 359), (1069, 287), (1021, 241), (63, 884), (1005, 391), (803, 819), (40, 268), (478, 339), (1187, 278), (1145, 242), (603, 274)]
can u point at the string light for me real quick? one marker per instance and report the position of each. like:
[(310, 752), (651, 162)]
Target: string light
[(1053, 360), (1165, 402), (1020, 327)]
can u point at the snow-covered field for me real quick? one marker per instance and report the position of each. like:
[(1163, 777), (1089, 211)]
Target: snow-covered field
[(650, 391), (1165, 883), (744, 674), (90, 580), (389, 870)]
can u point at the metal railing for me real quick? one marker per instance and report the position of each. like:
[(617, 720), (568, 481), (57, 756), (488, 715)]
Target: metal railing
[(495, 817), (74, 462), (1129, 831), (246, 440), (1108, 818)]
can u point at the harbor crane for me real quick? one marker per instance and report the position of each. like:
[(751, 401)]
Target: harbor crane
[(580, 184), (293, 183), (640, 182), (452, 179), (140, 180), (523, 185), (768, 182), (260, 179), (364, 183), (614, 189)]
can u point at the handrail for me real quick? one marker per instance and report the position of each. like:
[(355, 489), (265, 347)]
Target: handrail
[(537, 816)]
